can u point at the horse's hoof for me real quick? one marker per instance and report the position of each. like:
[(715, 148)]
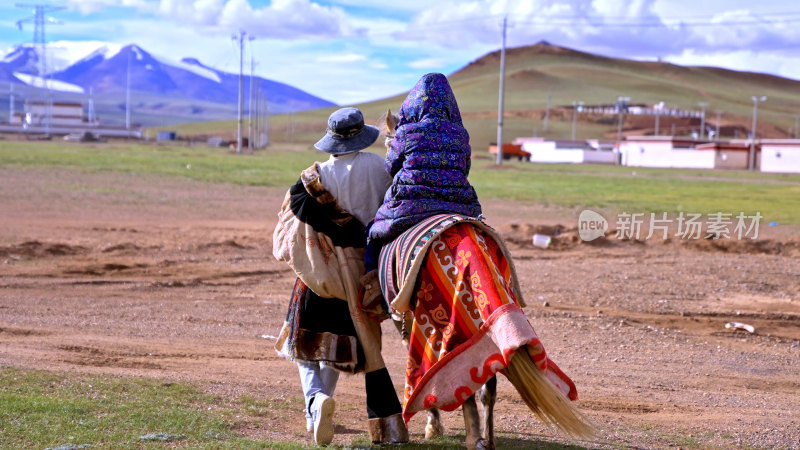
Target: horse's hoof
[(483, 444), (433, 430)]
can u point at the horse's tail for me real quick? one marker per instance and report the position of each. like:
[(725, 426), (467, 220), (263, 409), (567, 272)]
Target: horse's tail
[(546, 402)]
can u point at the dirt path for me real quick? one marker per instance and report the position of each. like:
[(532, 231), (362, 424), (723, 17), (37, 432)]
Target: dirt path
[(148, 276)]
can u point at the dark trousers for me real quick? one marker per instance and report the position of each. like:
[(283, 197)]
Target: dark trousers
[(382, 399)]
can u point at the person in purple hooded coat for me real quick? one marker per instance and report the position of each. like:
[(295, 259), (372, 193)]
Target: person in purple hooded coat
[(429, 161)]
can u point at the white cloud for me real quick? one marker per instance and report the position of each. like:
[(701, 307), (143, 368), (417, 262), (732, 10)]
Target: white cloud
[(201, 12), (341, 59), (771, 33), (289, 19), (94, 6), (577, 23), (390, 7), (744, 60), (633, 29), (428, 63)]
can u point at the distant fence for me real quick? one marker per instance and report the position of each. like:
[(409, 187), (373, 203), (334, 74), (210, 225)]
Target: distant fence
[(636, 110), (134, 133)]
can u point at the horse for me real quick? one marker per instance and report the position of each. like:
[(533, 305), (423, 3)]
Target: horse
[(536, 390)]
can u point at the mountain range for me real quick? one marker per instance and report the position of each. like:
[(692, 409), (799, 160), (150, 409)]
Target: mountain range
[(163, 91)]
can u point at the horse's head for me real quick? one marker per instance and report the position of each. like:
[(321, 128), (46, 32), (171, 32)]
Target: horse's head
[(387, 124)]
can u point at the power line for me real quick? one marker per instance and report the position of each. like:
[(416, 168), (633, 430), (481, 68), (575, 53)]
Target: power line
[(40, 41), (613, 22), (661, 24)]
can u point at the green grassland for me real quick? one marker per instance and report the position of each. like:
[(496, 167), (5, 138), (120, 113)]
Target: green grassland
[(614, 188), (40, 409)]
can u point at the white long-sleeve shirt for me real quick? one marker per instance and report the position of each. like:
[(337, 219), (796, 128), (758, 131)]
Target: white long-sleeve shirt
[(358, 181)]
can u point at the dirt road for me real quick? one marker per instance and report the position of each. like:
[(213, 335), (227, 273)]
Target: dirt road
[(141, 275)]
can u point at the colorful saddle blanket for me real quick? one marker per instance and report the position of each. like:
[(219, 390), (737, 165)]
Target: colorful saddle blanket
[(468, 322)]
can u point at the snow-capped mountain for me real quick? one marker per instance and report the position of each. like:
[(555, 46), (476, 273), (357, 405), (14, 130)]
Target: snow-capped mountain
[(23, 58), (108, 69)]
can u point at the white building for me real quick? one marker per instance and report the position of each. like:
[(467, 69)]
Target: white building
[(780, 155), (664, 151), (733, 154), (61, 114), (566, 151)]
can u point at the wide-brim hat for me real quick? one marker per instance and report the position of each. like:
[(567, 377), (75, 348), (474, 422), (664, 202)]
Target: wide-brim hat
[(347, 133)]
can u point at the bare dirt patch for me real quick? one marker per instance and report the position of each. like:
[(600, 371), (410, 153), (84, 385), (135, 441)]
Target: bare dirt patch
[(174, 279)]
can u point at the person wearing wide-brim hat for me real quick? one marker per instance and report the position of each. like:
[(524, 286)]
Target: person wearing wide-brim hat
[(347, 133), (321, 233)]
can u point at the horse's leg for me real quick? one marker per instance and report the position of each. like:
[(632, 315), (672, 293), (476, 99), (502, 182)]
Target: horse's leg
[(472, 425), (487, 396), (434, 427)]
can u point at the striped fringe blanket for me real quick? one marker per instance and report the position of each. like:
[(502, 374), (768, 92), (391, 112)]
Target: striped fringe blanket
[(468, 322)]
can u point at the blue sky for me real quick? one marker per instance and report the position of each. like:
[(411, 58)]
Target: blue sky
[(350, 51)]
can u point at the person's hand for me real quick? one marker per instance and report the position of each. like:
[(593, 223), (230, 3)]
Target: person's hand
[(372, 301)]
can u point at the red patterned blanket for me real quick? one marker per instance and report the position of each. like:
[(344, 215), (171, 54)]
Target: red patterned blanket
[(467, 318)]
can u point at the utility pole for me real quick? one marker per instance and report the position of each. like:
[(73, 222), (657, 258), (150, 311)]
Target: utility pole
[(719, 119), (11, 103), (40, 41), (703, 106), (752, 159), (547, 114), (250, 130), (49, 113), (255, 136), (291, 127), (620, 103), (264, 108), (240, 38), (575, 106), (620, 107), (796, 126), (502, 93), (90, 107), (128, 94), (658, 108)]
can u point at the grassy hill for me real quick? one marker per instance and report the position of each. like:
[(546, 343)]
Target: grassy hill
[(533, 72)]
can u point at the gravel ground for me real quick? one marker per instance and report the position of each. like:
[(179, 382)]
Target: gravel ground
[(160, 277)]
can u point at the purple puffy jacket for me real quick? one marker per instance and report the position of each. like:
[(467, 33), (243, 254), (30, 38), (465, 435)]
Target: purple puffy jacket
[(429, 161)]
